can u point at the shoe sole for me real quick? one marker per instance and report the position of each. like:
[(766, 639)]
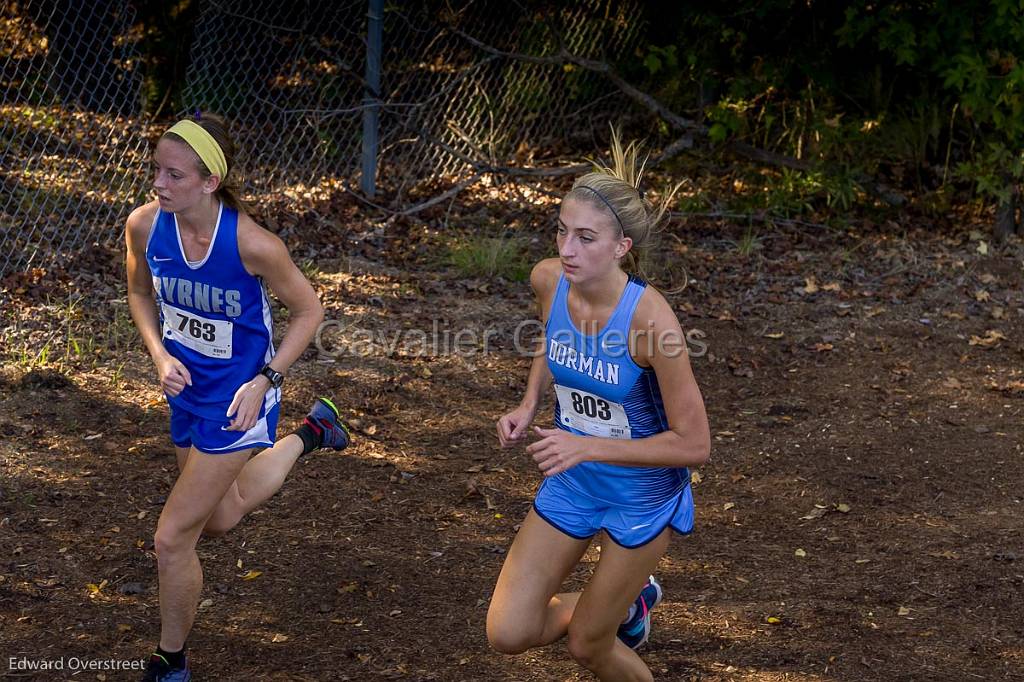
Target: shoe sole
[(328, 403)]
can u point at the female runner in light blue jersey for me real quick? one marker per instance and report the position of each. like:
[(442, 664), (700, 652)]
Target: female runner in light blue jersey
[(629, 420), (197, 265)]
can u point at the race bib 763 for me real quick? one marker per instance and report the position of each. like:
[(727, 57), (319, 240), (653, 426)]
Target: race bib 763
[(212, 338)]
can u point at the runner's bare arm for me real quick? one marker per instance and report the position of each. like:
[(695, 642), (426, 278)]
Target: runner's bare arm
[(543, 280), (513, 425), (173, 375), (141, 298), (266, 256)]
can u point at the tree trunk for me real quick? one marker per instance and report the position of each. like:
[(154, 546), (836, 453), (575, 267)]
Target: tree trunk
[(1018, 205), (1006, 213)]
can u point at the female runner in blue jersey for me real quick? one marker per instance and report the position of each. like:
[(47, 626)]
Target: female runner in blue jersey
[(197, 265), (629, 420)]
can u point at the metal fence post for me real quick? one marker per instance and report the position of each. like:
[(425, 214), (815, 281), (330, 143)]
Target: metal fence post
[(371, 114)]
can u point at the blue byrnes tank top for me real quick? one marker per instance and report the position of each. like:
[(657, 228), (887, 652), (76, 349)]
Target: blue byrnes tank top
[(214, 316), (601, 391)]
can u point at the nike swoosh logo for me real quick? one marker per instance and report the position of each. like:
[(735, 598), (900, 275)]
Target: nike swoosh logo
[(642, 525), (161, 260)]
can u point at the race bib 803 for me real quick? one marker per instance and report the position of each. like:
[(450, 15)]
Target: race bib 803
[(591, 414), (212, 338)]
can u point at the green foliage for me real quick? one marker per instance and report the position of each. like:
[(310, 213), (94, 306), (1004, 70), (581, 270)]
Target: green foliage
[(990, 168), (748, 243), (728, 118), (661, 58), (914, 95), (776, 194), (974, 53), (491, 257), (70, 341)]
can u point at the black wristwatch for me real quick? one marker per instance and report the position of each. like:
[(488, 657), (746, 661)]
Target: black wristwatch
[(275, 377)]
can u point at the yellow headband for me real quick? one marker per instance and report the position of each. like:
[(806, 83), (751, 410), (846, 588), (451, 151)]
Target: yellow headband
[(204, 145)]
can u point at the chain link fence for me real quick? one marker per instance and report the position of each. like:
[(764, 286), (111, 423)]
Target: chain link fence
[(72, 142), (451, 104), (290, 77)]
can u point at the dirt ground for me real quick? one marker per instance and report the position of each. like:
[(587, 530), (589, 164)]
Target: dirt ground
[(859, 519)]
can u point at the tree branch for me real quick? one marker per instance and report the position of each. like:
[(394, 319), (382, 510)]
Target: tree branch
[(487, 167), (653, 105), (440, 197)]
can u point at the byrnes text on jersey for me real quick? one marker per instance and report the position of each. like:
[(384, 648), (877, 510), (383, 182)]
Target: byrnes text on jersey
[(203, 297)]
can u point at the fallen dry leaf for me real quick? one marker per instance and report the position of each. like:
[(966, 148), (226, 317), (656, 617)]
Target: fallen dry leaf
[(815, 513), (992, 338)]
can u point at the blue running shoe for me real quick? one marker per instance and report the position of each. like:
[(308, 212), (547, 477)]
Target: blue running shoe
[(324, 419), (635, 631), (157, 670)]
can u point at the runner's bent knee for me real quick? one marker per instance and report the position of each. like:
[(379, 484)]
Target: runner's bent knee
[(510, 635)]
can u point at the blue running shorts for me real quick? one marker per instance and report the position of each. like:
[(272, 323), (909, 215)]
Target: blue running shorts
[(581, 516), (212, 437)]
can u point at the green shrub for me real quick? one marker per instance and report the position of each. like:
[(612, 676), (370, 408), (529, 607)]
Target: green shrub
[(491, 257)]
